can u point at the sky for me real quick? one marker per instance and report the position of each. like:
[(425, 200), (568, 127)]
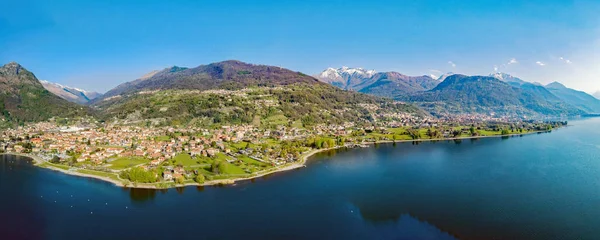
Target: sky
[(96, 45)]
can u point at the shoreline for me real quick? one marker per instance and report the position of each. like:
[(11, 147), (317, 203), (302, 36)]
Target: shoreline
[(300, 164)]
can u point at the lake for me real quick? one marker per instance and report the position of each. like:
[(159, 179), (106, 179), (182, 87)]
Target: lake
[(540, 186)]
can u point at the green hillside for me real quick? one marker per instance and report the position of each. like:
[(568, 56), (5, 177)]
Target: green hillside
[(24, 99), (233, 92)]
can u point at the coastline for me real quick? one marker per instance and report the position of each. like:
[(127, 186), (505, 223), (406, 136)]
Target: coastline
[(302, 163)]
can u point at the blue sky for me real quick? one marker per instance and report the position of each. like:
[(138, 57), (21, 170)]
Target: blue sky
[(96, 45)]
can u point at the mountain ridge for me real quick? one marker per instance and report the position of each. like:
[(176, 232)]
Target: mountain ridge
[(201, 77), (23, 98), (385, 84), (484, 94), (579, 99), (237, 92), (70, 94)]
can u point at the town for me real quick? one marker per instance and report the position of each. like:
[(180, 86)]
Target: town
[(168, 156)]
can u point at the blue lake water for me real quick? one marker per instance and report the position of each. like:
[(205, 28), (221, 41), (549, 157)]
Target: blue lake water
[(541, 186)]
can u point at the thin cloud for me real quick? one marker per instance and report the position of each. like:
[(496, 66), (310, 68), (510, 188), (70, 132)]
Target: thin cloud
[(540, 63), (495, 68), (452, 64), (512, 61), (435, 71), (567, 61)]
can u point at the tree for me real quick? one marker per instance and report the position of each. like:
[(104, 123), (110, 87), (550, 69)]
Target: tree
[(472, 130), (456, 133), (27, 145), (283, 153), (341, 141), (414, 133), (214, 167), (200, 178), (433, 133), (55, 159), (330, 142), (138, 175), (179, 180)]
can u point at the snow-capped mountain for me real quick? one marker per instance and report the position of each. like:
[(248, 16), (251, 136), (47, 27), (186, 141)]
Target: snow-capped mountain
[(345, 77), (597, 94), (514, 81), (387, 84), (71, 94), (444, 76)]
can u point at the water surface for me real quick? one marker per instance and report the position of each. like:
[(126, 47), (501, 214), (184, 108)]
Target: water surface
[(541, 186)]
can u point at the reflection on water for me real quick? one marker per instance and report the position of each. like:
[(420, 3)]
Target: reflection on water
[(141, 194), (390, 224)]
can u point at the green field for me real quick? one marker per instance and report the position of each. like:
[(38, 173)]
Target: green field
[(275, 120), (402, 137), (397, 131), (221, 157), (127, 162), (488, 133), (230, 169), (185, 160), (46, 164), (297, 124), (241, 145), (163, 138), (251, 161), (101, 174)]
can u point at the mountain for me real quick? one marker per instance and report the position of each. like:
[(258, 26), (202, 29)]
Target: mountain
[(23, 98), (393, 84), (597, 94), (70, 94), (479, 94), (581, 100), (234, 92), (576, 98), (345, 77), (385, 84), (145, 82), (444, 76), (513, 81)]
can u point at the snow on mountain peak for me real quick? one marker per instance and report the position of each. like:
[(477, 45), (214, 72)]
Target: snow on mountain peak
[(444, 76), (330, 73), (501, 75), (344, 71), (505, 77), (70, 93)]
